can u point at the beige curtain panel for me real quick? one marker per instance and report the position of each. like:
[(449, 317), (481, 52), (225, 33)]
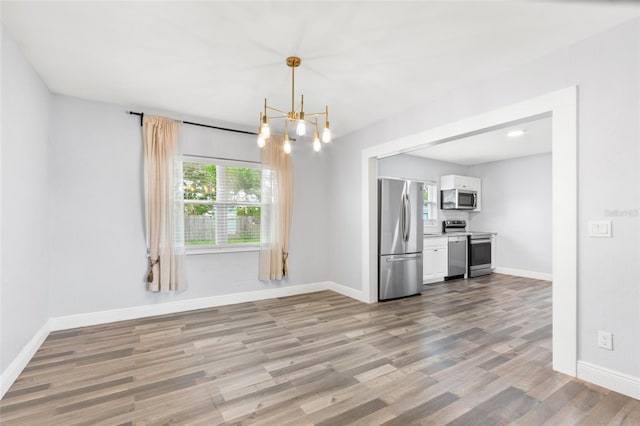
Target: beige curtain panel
[(275, 217), (164, 204)]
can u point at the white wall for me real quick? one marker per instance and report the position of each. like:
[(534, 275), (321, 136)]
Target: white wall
[(605, 68), (516, 203), (98, 256), (25, 251)]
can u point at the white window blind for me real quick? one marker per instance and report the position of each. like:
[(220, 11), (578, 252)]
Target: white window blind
[(222, 203)]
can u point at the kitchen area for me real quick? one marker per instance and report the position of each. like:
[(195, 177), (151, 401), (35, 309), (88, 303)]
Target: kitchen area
[(465, 210), (455, 251), (412, 251)]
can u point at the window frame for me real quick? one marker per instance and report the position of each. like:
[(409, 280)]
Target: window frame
[(433, 201), (220, 248)]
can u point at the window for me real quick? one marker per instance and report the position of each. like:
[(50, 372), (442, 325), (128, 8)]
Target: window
[(430, 204), (221, 204)]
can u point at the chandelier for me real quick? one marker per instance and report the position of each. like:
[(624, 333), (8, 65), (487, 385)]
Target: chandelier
[(296, 116)]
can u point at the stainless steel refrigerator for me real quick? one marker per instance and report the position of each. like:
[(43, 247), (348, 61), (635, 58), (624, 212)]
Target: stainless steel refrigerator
[(400, 235)]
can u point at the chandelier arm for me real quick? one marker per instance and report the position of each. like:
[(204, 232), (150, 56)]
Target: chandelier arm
[(277, 117), (277, 110), (314, 114)]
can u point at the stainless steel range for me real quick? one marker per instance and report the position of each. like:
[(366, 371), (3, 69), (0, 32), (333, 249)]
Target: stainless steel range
[(479, 250)]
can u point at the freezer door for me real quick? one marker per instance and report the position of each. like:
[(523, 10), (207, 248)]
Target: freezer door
[(400, 216), (399, 276)]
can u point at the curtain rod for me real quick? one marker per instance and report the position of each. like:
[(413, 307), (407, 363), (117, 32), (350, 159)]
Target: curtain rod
[(224, 158), (141, 115)]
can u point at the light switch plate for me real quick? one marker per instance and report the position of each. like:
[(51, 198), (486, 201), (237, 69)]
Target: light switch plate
[(600, 228)]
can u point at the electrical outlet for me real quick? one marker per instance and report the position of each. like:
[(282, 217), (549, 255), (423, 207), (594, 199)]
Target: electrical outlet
[(605, 340)]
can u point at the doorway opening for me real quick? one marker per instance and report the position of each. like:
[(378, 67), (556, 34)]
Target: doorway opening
[(561, 107)]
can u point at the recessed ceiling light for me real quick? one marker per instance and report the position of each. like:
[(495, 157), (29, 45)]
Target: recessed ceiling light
[(515, 133)]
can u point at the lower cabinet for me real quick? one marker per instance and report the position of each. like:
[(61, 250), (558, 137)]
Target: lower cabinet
[(434, 259)]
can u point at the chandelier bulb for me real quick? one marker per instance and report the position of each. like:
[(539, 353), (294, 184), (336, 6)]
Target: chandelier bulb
[(301, 129), (317, 146), (261, 141), (287, 146), (326, 135), (265, 132)]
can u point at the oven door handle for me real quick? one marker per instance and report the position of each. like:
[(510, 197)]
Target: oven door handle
[(488, 240)]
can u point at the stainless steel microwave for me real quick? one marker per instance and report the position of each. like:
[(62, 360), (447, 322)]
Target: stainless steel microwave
[(458, 199)]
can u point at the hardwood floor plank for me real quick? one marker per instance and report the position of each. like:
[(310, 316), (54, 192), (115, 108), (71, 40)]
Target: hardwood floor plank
[(355, 413), (423, 410), (464, 352)]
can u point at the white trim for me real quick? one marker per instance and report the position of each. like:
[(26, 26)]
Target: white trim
[(524, 273), (195, 250), (135, 312), (369, 227), (610, 379), (13, 370), (562, 106), (434, 280), (347, 291)]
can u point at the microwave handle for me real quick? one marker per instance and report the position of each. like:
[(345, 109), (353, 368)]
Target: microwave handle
[(475, 200)]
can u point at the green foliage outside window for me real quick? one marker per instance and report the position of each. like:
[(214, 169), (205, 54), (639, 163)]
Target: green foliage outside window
[(199, 183), (221, 193)]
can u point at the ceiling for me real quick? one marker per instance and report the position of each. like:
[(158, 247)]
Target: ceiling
[(219, 60), (493, 145)]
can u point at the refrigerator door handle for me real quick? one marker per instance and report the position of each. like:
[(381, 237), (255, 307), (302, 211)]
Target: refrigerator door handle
[(400, 259), (402, 217), (408, 213)]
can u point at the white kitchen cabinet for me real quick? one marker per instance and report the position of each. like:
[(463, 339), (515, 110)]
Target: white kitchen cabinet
[(468, 183), (459, 182), (434, 259)]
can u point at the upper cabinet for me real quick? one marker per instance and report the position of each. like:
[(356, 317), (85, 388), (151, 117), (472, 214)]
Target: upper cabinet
[(459, 182), (463, 182)]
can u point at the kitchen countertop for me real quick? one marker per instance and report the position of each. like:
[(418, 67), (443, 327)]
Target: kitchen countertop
[(456, 234)]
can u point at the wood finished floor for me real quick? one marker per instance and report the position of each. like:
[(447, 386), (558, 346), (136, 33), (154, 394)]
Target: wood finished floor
[(465, 352)]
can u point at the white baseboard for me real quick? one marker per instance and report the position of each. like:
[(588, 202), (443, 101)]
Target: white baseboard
[(610, 379), (524, 273), (135, 312), (346, 291), (11, 373)]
